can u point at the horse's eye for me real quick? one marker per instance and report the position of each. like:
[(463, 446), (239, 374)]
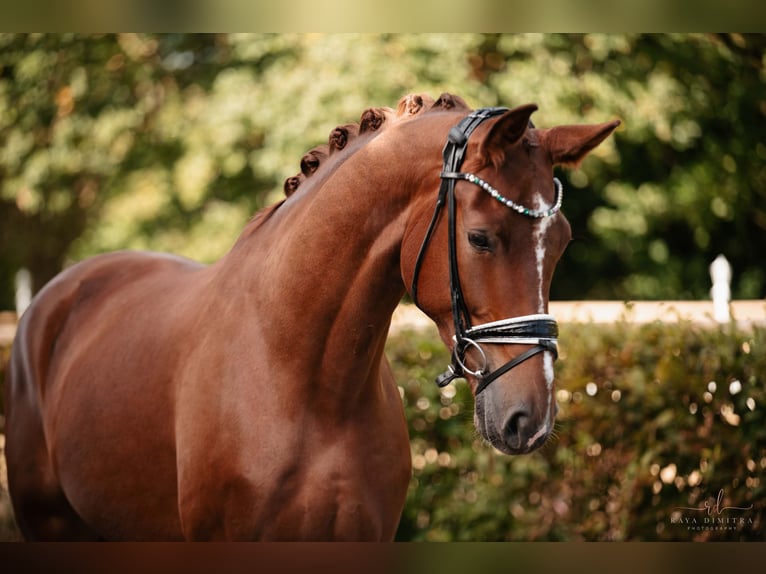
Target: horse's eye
[(479, 241)]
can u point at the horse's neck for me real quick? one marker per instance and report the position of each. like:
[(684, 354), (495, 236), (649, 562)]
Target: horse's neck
[(325, 272)]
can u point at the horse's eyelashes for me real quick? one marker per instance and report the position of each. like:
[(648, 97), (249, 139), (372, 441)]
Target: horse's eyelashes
[(480, 241)]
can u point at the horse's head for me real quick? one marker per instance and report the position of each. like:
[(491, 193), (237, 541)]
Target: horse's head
[(483, 267)]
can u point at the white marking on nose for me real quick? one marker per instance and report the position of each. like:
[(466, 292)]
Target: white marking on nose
[(539, 237), (541, 432), (548, 370)]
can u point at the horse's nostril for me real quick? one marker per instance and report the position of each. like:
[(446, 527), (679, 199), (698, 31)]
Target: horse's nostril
[(515, 428)]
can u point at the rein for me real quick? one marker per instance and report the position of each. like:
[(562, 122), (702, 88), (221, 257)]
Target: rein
[(539, 330)]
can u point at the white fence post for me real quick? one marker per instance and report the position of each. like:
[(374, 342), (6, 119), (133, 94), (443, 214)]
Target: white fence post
[(720, 274), (23, 291)]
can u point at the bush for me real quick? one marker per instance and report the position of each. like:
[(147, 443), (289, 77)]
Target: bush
[(656, 420), (653, 418)]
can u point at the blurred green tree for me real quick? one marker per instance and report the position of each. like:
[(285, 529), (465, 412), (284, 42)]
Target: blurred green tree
[(80, 119), (172, 141)]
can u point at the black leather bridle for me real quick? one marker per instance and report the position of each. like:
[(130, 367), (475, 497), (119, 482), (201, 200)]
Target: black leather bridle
[(539, 330)]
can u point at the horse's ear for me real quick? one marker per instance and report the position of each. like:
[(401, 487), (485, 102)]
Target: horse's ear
[(508, 129), (568, 145)]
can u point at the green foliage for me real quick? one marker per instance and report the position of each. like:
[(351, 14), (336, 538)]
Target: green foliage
[(653, 418), (683, 181), (172, 141)]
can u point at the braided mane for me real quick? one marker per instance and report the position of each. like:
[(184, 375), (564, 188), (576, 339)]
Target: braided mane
[(372, 122), (347, 138)]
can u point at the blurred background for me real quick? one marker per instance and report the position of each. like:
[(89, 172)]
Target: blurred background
[(171, 142)]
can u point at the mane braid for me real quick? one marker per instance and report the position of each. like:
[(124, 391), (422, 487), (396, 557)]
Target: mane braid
[(414, 104), (451, 102), (341, 135), (310, 162)]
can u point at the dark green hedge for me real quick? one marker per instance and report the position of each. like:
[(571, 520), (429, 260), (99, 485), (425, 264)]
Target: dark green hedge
[(653, 418), (662, 431)]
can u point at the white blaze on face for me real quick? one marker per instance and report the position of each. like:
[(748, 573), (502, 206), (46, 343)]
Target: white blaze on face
[(542, 226), (540, 235), (548, 371)]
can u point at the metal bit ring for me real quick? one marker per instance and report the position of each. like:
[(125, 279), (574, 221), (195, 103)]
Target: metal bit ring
[(470, 343)]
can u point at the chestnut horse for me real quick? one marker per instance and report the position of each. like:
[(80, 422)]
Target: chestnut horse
[(150, 397)]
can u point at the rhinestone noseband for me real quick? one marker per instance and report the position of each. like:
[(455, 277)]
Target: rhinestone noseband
[(539, 330)]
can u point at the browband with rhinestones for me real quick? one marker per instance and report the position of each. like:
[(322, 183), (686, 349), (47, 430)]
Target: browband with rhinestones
[(529, 212)]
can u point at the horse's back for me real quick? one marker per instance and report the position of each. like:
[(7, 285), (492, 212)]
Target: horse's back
[(75, 373), (88, 294)]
